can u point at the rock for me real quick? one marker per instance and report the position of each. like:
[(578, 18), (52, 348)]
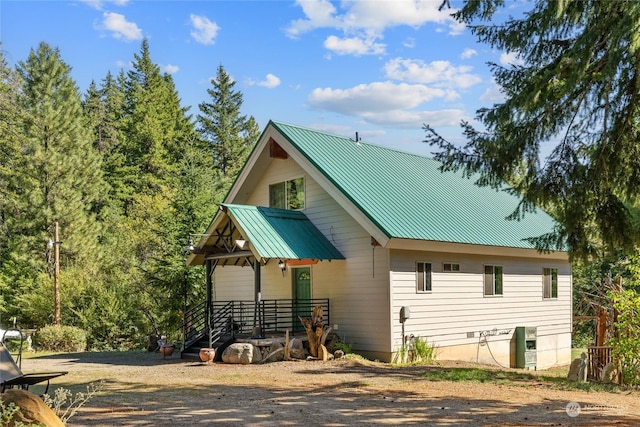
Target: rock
[(299, 353), (338, 354), (276, 355), (275, 346), (610, 373), (297, 344), (573, 370), (578, 369), (32, 409), (242, 353), (257, 355)]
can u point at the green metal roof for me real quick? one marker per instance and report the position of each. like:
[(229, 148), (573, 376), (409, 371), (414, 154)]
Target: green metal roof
[(279, 233), (408, 197)]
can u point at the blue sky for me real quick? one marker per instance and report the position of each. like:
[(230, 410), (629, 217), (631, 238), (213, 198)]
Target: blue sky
[(381, 68)]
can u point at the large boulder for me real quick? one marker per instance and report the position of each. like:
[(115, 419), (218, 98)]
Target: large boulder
[(242, 353), (32, 409)]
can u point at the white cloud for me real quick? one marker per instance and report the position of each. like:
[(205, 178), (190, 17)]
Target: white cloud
[(270, 82), (353, 46), (123, 64), (120, 28), (468, 53), (366, 20), (440, 73), (319, 13), (398, 105), (510, 58), (493, 94), (204, 31), (378, 96), (415, 119), (170, 69), (409, 42), (99, 4)]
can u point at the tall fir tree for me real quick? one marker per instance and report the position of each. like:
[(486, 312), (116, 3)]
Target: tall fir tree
[(59, 173), (221, 123), (576, 90), (10, 142)]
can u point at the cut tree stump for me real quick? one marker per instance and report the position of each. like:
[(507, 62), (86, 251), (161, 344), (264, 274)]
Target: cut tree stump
[(316, 330)]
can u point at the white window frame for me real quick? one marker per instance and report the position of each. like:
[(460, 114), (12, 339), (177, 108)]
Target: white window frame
[(494, 282), (424, 277), (451, 267), (548, 274), (285, 183)]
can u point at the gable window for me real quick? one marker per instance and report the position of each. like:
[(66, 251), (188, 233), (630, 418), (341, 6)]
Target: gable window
[(549, 283), (492, 280), (423, 276), (449, 267), (287, 194)]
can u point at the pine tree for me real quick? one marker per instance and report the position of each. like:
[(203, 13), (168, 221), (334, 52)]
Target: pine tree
[(57, 177), (230, 134), (10, 126), (577, 90)]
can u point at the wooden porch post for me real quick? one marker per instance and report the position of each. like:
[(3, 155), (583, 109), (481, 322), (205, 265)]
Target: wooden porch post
[(257, 316), (207, 309)]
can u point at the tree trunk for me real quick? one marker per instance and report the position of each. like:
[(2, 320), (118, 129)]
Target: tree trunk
[(316, 330)]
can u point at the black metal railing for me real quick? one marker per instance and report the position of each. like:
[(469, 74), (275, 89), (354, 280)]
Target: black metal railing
[(242, 317)]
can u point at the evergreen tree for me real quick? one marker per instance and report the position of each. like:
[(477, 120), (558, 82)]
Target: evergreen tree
[(221, 124), (10, 143), (578, 90), (59, 176)]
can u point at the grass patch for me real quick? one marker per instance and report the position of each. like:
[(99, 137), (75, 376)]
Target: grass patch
[(516, 378)]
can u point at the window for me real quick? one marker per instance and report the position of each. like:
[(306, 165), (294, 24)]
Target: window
[(287, 194), (549, 283), (423, 277), (449, 267), (492, 280)]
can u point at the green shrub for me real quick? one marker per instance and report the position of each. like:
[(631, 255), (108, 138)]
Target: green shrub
[(61, 338), (626, 346), (417, 350)]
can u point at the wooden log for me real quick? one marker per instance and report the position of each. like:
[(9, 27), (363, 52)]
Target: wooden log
[(287, 346)]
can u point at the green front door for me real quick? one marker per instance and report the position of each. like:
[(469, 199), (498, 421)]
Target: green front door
[(301, 294)]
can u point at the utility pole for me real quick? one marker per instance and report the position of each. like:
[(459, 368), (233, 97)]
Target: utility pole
[(56, 275), (55, 245)]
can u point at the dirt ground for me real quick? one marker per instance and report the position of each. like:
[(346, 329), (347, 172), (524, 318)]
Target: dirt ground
[(143, 389)]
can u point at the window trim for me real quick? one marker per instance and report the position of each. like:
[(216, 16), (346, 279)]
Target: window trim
[(494, 284), (286, 193), (548, 274), (451, 269), (426, 287)]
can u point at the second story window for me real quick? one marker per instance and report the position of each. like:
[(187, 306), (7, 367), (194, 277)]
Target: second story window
[(287, 194)]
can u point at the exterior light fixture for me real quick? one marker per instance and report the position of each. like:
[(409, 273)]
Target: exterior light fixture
[(283, 267)]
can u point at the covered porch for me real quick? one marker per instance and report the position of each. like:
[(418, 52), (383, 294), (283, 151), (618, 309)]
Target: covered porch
[(254, 237)]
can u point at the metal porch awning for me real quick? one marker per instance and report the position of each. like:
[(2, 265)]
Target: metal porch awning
[(240, 234)]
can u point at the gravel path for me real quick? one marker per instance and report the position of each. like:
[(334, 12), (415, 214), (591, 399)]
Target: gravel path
[(143, 389)]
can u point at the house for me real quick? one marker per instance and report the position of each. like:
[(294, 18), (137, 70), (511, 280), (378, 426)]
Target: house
[(393, 247)]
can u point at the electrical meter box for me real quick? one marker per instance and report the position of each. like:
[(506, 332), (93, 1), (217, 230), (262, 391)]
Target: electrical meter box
[(526, 347)]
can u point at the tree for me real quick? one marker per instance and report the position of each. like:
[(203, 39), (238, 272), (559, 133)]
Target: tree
[(221, 124), (57, 176), (578, 90), (10, 123)]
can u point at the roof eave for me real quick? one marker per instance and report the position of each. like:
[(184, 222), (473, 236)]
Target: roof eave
[(472, 249)]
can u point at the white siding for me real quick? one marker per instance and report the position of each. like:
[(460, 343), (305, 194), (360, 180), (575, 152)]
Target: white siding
[(359, 296), (456, 306)]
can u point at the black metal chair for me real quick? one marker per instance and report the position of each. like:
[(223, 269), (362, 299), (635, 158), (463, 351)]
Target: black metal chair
[(11, 375)]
